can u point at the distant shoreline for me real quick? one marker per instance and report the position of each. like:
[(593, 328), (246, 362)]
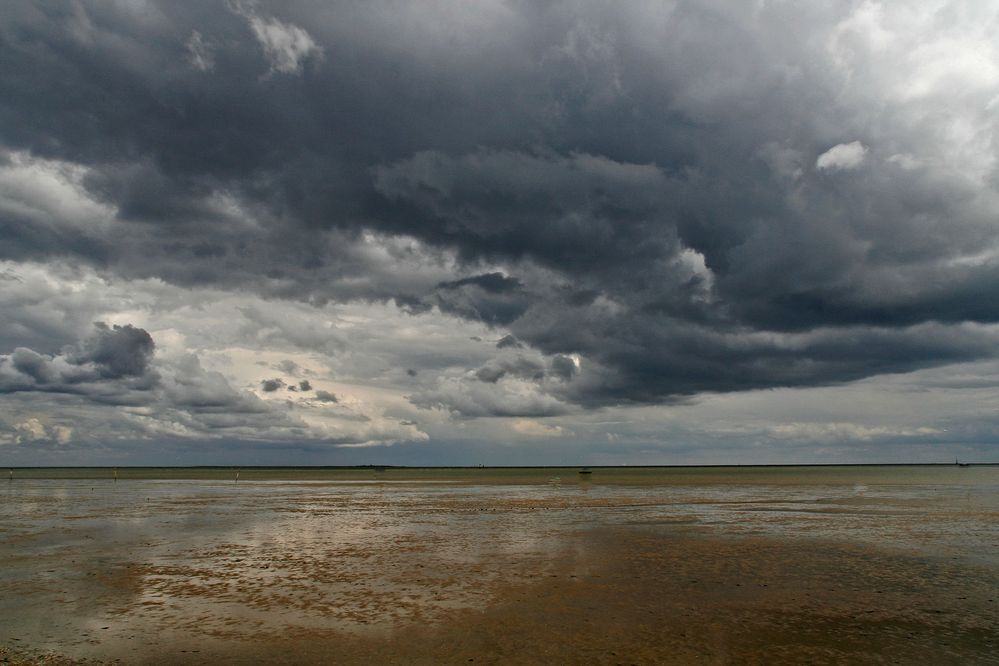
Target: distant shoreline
[(474, 467)]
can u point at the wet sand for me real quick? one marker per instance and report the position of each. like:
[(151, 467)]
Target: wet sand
[(553, 572)]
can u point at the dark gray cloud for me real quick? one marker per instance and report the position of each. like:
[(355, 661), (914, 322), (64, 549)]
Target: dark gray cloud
[(287, 366), (491, 283), (563, 367), (508, 341), (492, 298), (116, 351), (112, 365), (662, 200), (326, 396), (521, 367), (271, 385)]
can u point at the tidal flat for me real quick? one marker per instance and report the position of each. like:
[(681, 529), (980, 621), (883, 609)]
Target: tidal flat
[(737, 565)]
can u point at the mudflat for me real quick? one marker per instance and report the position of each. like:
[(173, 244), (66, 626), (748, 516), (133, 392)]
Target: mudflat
[(860, 566)]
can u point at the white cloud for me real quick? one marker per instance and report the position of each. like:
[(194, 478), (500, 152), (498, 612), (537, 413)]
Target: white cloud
[(50, 194), (842, 157), (286, 46), (199, 52), (33, 430), (823, 432), (469, 397), (532, 428), (30, 430), (203, 379), (931, 69), (905, 161)]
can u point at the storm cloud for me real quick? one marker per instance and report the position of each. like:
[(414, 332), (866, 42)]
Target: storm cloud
[(113, 364), (643, 203)]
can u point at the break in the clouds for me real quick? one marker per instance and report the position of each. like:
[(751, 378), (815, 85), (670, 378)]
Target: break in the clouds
[(425, 218)]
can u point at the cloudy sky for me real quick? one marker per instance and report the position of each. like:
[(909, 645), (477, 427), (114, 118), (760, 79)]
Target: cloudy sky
[(498, 232)]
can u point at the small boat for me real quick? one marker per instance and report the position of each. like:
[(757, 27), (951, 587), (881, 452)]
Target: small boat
[(961, 464), (586, 470)]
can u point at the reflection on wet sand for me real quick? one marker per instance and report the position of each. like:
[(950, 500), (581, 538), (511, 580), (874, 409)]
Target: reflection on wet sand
[(150, 571)]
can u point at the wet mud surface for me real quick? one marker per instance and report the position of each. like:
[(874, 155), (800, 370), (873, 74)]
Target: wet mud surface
[(155, 572)]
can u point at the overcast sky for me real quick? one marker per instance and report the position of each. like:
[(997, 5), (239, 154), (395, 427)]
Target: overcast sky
[(319, 232)]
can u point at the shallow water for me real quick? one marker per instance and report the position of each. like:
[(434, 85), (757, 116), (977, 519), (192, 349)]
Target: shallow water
[(102, 568)]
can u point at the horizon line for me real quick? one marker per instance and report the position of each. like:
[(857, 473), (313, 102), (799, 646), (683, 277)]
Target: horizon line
[(564, 466)]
